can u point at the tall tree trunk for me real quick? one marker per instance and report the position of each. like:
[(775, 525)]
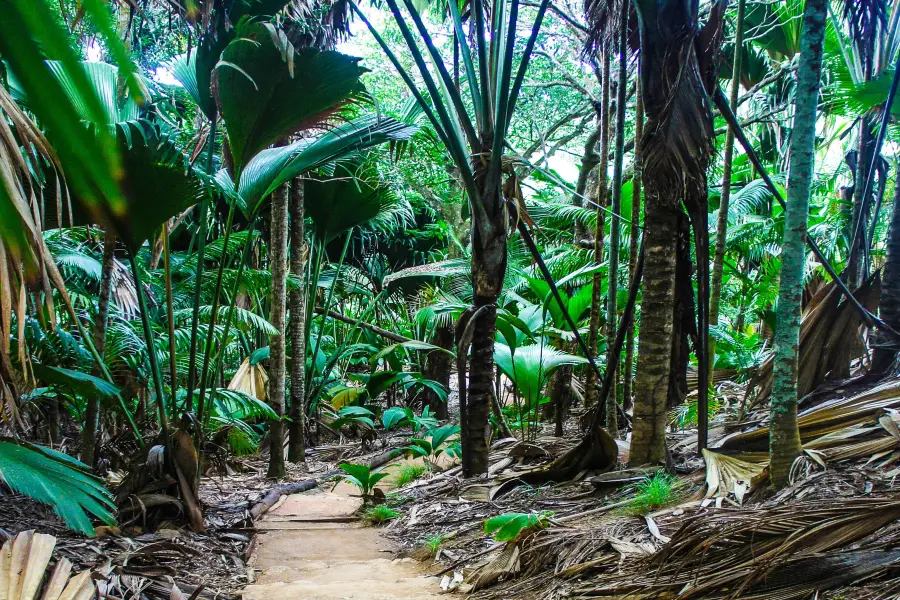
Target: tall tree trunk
[(635, 233), (676, 70), (612, 360), (437, 367), (589, 160), (722, 222), (889, 307), (489, 259), (590, 386), (278, 267), (784, 435), (297, 434), (857, 237), (92, 412)]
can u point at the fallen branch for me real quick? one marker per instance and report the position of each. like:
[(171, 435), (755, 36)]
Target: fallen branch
[(273, 495)]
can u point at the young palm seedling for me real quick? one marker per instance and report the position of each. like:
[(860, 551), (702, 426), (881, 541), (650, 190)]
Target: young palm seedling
[(362, 477)]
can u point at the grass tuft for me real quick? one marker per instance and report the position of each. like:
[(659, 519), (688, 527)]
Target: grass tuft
[(654, 492), (379, 515), (434, 542), (410, 473)]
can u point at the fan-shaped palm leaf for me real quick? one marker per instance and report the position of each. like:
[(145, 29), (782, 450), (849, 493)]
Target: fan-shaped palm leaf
[(266, 92), (530, 367)]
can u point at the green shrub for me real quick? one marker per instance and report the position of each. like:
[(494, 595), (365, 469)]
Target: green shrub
[(362, 477), (378, 515), (410, 473)]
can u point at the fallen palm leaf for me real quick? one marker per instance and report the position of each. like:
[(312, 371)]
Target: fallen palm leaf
[(728, 475), (23, 566)]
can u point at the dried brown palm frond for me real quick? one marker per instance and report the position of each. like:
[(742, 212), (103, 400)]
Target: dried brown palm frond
[(785, 552), (831, 423), (23, 566), (829, 339), (250, 379), (729, 475)]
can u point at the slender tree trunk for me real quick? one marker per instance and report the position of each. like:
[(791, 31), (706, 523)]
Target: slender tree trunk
[(722, 223), (589, 161), (437, 367), (297, 435), (612, 360), (635, 233), (784, 437), (92, 412), (590, 386), (857, 238), (278, 266), (889, 307)]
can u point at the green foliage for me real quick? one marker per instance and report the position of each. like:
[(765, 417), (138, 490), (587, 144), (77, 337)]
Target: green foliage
[(439, 442), (654, 492), (241, 442), (362, 477), (354, 414), (393, 417), (267, 92), (56, 479), (410, 473), (509, 527), (380, 514)]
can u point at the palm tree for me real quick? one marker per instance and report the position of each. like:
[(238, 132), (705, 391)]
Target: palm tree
[(278, 241), (297, 433), (784, 442), (476, 142)]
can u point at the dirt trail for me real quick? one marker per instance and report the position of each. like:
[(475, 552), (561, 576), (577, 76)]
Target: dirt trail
[(309, 548)]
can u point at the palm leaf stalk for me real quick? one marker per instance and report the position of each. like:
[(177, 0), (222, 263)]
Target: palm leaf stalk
[(151, 356), (873, 166), (202, 415), (210, 338), (201, 255), (330, 297)]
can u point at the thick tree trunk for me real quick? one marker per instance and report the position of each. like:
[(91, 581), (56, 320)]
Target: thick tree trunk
[(590, 386), (612, 360), (648, 443), (889, 308), (297, 434), (628, 380), (722, 222), (437, 367), (784, 435), (92, 412), (278, 267)]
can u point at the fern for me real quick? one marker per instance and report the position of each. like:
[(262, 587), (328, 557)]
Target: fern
[(56, 479)]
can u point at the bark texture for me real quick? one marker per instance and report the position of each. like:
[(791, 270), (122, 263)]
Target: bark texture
[(889, 308), (437, 367), (784, 435), (297, 434), (278, 267)]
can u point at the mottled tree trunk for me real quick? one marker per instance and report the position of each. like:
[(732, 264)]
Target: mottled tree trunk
[(591, 383), (784, 435), (633, 245), (648, 444), (437, 367), (92, 412), (297, 434), (612, 360), (722, 222), (278, 267)]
